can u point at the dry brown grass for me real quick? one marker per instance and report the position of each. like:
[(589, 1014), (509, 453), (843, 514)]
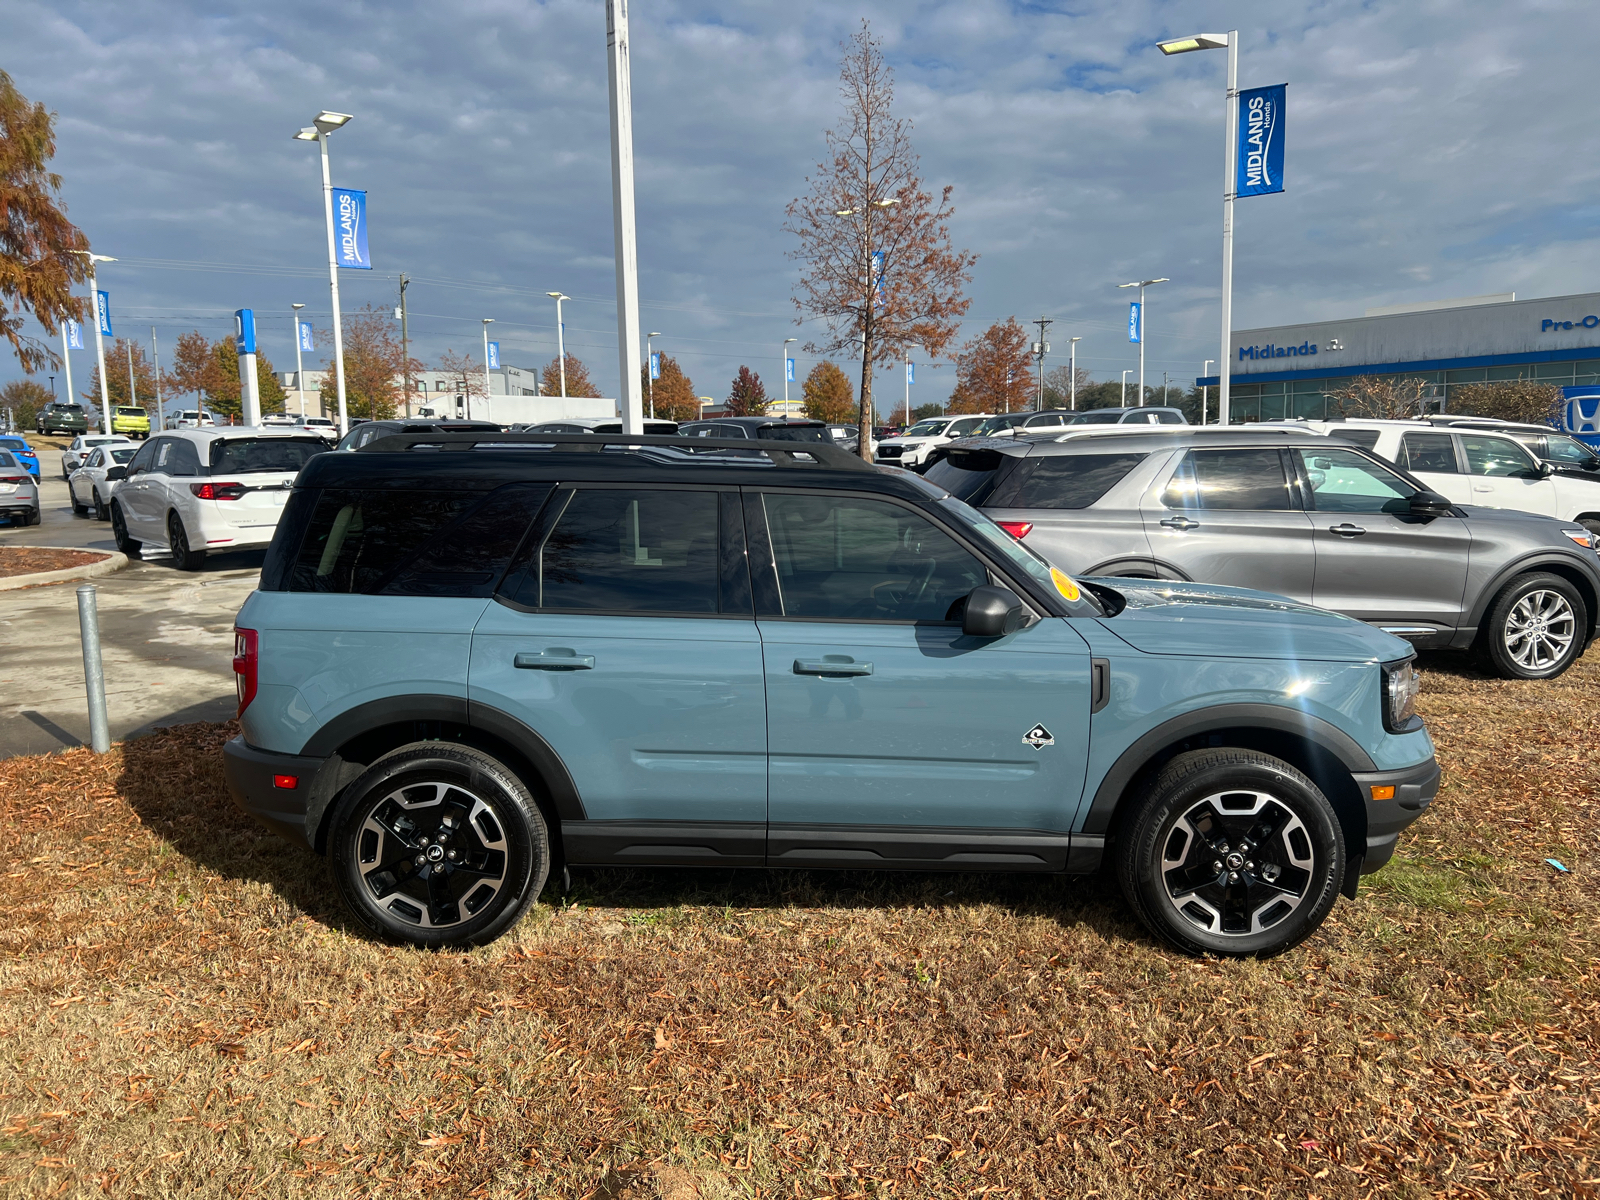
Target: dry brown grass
[(185, 1011)]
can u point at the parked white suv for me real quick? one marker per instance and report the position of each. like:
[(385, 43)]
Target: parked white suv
[(911, 448), (1474, 466), (195, 418), (190, 491)]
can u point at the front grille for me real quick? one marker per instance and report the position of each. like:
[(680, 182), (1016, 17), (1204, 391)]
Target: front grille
[(890, 451)]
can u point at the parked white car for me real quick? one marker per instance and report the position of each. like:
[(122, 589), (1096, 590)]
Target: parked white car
[(194, 418), (1474, 466), (76, 454), (193, 491), (88, 487), (911, 448)]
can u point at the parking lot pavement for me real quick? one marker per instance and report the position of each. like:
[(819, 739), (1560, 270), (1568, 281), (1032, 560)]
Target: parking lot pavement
[(167, 645)]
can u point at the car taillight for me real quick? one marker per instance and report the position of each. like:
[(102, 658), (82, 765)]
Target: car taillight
[(217, 491), (1017, 529), (14, 478), (244, 666)]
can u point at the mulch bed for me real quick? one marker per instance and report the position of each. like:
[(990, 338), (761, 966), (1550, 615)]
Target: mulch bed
[(29, 560)]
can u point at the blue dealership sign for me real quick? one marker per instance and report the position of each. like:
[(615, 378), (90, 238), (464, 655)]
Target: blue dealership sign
[(350, 228), (494, 356), (1260, 168), (911, 371), (244, 331), (1135, 322), (74, 335), (308, 340), (655, 364), (102, 307), (788, 369), (877, 277)]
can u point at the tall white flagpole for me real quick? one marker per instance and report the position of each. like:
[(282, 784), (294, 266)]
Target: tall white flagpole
[(1230, 173), (628, 397)]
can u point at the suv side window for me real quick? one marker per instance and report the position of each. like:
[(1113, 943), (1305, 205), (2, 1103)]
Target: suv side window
[(1367, 439), (163, 456), (1498, 456), (1168, 418), (1251, 480), (624, 551), (1434, 452), (1062, 480), (143, 459), (859, 559), (1042, 421), (1344, 481), (183, 460)]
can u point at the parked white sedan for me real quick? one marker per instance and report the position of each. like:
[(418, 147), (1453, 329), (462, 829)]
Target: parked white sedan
[(77, 454), (87, 486)]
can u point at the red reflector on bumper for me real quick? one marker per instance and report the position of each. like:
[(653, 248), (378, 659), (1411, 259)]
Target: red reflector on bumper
[(287, 782)]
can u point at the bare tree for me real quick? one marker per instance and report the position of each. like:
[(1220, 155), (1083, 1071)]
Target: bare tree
[(1510, 400), (1380, 397), (876, 260)]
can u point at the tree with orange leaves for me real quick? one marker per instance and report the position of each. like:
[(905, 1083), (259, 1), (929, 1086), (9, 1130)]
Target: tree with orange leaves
[(992, 371)]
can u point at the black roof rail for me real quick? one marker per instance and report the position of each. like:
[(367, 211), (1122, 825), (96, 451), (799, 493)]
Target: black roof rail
[(689, 450)]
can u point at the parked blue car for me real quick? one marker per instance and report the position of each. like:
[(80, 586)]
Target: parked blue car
[(474, 658), (22, 452)]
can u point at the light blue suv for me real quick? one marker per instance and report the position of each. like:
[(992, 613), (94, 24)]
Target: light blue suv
[(475, 658)]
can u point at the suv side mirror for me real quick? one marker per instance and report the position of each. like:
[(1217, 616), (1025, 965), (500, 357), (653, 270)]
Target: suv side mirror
[(1430, 504), (992, 612), (1546, 470), (116, 473)]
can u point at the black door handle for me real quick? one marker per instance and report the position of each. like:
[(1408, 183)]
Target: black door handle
[(1181, 523), (1346, 530)]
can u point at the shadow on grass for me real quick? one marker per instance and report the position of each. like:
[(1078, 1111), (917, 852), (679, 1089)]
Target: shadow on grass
[(173, 779)]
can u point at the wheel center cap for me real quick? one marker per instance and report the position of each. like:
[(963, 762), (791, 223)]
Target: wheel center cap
[(436, 853), (1235, 861)]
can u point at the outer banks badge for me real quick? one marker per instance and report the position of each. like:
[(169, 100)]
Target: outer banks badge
[(1038, 737), (1064, 583)]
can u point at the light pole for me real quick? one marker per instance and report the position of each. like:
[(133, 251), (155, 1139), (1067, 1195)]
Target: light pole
[(300, 366), (1072, 371), (1141, 284), (784, 350), (650, 369), (620, 75), (325, 123), (155, 354), (1230, 124), (66, 359), (405, 342), (99, 340), (487, 406), (1204, 371), (561, 341), (1041, 348), (1125, 375)]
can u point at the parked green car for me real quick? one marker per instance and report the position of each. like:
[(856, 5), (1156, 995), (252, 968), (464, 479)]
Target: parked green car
[(59, 417)]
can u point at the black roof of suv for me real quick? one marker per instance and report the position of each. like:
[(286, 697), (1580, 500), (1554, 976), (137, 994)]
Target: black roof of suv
[(775, 428)]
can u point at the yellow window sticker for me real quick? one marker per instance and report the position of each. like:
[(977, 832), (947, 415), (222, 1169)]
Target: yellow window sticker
[(1064, 583)]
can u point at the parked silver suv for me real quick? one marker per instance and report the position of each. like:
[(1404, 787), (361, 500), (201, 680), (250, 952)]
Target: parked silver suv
[(1307, 516)]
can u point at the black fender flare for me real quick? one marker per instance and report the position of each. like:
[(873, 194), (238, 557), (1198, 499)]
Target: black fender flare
[(1329, 738)]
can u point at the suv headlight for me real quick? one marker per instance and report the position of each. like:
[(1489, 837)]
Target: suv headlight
[(1401, 683)]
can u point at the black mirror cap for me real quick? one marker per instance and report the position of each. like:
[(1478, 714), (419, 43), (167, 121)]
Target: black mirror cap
[(116, 473), (1430, 504), (992, 612)]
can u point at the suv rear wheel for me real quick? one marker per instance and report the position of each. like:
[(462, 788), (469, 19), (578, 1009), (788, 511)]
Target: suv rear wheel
[(119, 531), (1535, 629), (1231, 852), (439, 845), (183, 556)]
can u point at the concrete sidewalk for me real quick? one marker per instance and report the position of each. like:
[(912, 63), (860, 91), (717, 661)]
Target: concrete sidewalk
[(167, 644)]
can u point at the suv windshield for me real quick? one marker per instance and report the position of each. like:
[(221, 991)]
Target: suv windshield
[(243, 456), (995, 424), (1567, 450), (124, 410), (794, 433), (925, 429)]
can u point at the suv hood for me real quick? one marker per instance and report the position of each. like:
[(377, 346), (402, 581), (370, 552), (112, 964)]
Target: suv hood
[(1208, 620)]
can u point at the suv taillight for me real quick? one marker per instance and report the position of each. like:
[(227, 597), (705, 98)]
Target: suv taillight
[(244, 665), (1017, 529), (217, 491)]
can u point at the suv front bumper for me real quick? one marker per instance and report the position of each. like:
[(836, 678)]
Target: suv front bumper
[(294, 813), (1413, 791)]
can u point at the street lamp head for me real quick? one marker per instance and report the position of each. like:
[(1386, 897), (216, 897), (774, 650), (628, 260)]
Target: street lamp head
[(94, 258), (327, 122), (1200, 41), (488, 320), (558, 296), (308, 134), (786, 341), (297, 306), (1076, 339), (1144, 282), (654, 333), (885, 203), (844, 212)]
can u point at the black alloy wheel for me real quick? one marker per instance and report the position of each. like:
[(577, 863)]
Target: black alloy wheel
[(100, 512), (1536, 628), (184, 558), (78, 509), (1232, 852), (439, 845), (119, 531)]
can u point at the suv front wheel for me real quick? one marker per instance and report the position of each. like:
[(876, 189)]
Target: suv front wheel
[(1231, 852), (1535, 628), (439, 845)]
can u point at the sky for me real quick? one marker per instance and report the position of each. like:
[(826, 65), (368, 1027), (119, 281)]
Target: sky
[(1434, 149)]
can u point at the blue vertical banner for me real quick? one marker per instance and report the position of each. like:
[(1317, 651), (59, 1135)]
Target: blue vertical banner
[(911, 372), (1260, 141), (655, 364), (788, 369), (350, 228), (877, 278), (102, 308), (1135, 322), (74, 335), (244, 331), (308, 339), (494, 356)]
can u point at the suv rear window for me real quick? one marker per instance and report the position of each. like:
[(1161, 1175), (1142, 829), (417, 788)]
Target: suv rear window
[(241, 456), (1061, 480), (967, 474), (794, 433)]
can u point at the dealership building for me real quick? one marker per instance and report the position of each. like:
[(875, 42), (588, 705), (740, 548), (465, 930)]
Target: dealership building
[(1288, 371)]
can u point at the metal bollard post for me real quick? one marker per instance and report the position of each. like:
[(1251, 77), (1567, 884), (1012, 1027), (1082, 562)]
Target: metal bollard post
[(94, 676)]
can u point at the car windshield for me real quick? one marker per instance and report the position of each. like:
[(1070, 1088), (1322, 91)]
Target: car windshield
[(69, 408), (794, 433), (925, 429), (1568, 450), (244, 456), (995, 424), (1024, 557)]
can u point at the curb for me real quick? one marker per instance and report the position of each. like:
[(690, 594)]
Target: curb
[(115, 560)]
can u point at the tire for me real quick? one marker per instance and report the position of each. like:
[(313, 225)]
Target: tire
[(1194, 856), (183, 557), (101, 513), (78, 510), (386, 839), (1536, 628), (119, 531)]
